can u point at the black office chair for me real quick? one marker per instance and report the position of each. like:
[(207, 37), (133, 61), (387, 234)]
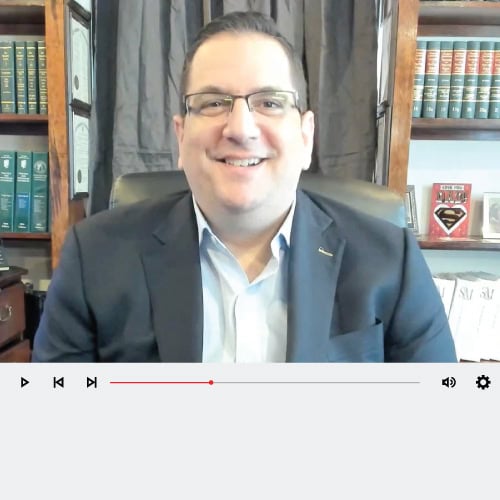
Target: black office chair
[(364, 196)]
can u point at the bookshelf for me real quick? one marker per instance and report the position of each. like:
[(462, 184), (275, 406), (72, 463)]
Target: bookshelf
[(45, 19), (440, 19)]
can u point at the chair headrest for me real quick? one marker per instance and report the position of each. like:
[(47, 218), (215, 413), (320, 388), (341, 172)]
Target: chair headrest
[(361, 195)]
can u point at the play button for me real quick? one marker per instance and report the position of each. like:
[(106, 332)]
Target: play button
[(24, 382)]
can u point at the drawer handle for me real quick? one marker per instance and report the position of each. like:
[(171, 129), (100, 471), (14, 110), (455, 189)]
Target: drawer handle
[(5, 313)]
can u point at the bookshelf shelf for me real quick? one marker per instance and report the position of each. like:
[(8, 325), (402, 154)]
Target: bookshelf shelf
[(470, 243), (25, 236), (22, 17), (15, 118), (455, 129), (459, 13)]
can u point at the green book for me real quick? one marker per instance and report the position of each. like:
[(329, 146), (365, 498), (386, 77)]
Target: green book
[(470, 79), (7, 77), (484, 79), (21, 78), (457, 79), (494, 111), (22, 204), (40, 193), (444, 78), (42, 78), (418, 79), (7, 190), (431, 79), (32, 74)]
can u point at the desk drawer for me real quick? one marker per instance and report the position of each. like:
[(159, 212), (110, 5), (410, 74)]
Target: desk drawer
[(18, 353), (12, 321)]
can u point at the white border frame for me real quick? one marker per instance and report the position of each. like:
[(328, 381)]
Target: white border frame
[(490, 200)]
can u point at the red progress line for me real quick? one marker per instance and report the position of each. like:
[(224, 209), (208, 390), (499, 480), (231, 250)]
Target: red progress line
[(208, 382)]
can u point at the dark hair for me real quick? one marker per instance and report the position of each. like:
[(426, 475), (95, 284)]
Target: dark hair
[(247, 22)]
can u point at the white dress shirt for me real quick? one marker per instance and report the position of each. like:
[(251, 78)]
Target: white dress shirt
[(243, 322)]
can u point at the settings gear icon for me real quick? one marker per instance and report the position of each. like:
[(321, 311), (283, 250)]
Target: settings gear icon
[(483, 382)]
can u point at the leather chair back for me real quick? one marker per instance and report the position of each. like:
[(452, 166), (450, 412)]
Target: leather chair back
[(364, 196)]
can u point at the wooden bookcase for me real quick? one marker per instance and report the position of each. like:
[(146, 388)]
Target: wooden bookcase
[(45, 19), (436, 18)]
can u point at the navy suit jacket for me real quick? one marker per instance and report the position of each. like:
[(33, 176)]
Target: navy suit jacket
[(128, 289)]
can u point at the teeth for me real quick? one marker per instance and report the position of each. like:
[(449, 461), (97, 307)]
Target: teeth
[(244, 163)]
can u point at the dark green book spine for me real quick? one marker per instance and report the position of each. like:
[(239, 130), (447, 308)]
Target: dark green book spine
[(7, 77), (21, 78), (418, 80), (40, 193), (443, 89), (470, 79), (7, 190), (484, 79), (22, 206), (494, 111), (457, 79), (32, 65), (42, 77), (431, 79)]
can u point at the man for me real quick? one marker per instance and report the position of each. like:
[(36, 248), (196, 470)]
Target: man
[(246, 269)]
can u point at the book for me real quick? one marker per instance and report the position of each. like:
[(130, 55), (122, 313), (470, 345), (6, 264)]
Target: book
[(457, 79), (418, 80), (32, 76), (489, 321), (7, 77), (444, 78), (470, 79), (7, 190), (22, 205), (484, 79), (42, 78), (445, 283), (450, 210), (21, 78), (431, 79), (464, 317), (494, 110), (40, 193)]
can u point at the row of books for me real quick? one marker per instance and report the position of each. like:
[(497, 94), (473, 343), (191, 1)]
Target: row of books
[(24, 192), (457, 79), (23, 77), (472, 303)]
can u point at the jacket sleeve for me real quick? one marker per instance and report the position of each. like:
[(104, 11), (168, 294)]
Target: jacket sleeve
[(419, 330), (66, 332)]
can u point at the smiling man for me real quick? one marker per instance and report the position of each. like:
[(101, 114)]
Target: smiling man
[(243, 268)]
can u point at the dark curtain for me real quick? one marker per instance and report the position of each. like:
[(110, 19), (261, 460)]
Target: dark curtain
[(140, 48)]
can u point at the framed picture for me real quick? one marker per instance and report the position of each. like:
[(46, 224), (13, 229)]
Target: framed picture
[(411, 209), (80, 60), (79, 155), (491, 215)]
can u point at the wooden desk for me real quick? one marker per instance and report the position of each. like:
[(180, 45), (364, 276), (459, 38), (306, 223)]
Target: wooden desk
[(13, 347)]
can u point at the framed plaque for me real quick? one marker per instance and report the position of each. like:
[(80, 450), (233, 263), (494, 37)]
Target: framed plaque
[(411, 209), (491, 215), (79, 155), (80, 60)]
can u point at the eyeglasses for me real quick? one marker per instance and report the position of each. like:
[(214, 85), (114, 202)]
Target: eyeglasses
[(267, 103)]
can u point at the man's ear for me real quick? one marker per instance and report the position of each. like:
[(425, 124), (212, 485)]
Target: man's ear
[(307, 126), (179, 133)]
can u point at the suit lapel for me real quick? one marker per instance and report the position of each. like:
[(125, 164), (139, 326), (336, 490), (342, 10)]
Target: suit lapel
[(172, 268), (316, 252)]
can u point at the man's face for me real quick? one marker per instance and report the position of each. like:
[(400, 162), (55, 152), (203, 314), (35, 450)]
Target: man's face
[(241, 64)]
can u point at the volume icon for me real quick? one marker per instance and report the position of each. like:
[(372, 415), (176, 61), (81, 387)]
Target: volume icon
[(449, 382)]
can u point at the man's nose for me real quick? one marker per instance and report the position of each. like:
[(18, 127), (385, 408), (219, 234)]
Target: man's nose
[(241, 125)]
